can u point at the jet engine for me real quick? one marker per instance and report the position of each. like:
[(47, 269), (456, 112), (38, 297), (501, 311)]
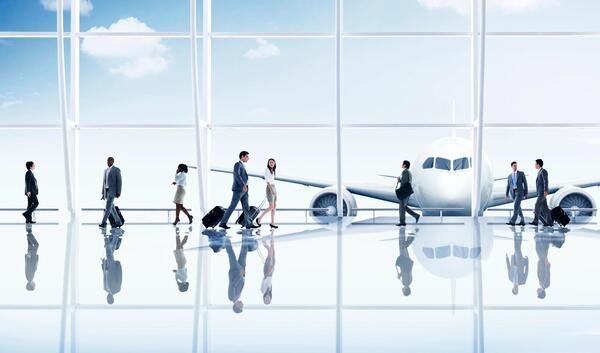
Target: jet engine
[(574, 197), (327, 199)]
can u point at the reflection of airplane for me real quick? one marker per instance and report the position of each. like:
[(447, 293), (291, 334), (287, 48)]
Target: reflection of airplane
[(442, 179)]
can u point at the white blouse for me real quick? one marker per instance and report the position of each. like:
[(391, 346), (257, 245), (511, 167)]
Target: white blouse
[(269, 178), (180, 179)]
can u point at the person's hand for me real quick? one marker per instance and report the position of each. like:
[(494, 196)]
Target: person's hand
[(398, 178), (28, 193), (102, 197), (506, 197), (524, 197), (545, 193), (173, 183), (245, 188), (117, 195)]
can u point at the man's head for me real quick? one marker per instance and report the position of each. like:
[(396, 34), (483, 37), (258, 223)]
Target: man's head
[(110, 161), (238, 306), (541, 293), (406, 291), (513, 165), (30, 286), (406, 164), (183, 286), (515, 289), (30, 165), (267, 297), (539, 163), (110, 299), (244, 156)]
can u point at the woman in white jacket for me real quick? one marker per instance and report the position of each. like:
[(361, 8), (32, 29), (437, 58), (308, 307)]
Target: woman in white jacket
[(271, 193), (181, 182)]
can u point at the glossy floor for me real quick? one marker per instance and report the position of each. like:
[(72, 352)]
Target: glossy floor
[(359, 288)]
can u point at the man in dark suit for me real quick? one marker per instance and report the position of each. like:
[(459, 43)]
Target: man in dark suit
[(404, 264), (237, 275), (518, 265), (31, 259), (31, 191), (112, 272), (111, 189), (240, 193), (516, 188), (541, 205)]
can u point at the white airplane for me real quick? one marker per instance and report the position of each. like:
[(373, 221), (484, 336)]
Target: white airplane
[(442, 177)]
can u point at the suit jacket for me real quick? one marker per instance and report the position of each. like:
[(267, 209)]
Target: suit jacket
[(113, 275), (521, 184), (30, 183), (240, 177), (114, 182), (518, 269), (31, 258), (541, 182)]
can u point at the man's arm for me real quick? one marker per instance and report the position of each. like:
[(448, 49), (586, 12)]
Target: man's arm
[(525, 188), (545, 177), (118, 182), (526, 267), (507, 185), (28, 188), (237, 172)]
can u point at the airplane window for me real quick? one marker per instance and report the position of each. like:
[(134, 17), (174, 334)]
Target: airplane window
[(460, 251), (442, 251), (461, 163), (428, 164), (442, 163), (428, 252), (475, 252)]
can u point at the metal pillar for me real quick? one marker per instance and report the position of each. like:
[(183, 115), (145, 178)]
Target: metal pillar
[(477, 66), (338, 105)]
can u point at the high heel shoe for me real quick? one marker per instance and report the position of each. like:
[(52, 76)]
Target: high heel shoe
[(273, 226), (258, 223), (191, 219), (176, 221)]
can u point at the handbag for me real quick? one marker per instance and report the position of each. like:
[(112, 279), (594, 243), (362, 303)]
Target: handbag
[(404, 191)]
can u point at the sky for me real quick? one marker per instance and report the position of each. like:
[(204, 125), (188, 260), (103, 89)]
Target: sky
[(292, 80)]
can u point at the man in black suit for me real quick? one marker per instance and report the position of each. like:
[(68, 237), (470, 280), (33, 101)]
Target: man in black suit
[(516, 188), (31, 191), (541, 205)]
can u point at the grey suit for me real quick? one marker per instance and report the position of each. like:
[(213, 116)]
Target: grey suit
[(518, 265), (111, 188), (517, 188), (542, 245), (240, 179), (237, 279), (541, 205), (112, 272), (31, 258), (405, 178)]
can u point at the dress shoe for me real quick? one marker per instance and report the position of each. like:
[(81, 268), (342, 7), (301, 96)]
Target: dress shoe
[(224, 226), (102, 225), (176, 221), (273, 226), (401, 225), (510, 223), (521, 224), (417, 219), (533, 223), (252, 226), (191, 219)]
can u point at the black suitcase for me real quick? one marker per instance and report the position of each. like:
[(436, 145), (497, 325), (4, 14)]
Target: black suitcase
[(560, 216), (254, 211), (212, 218), (111, 219)]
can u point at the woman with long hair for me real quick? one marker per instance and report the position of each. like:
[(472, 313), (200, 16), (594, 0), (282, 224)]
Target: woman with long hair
[(180, 182), (271, 193)]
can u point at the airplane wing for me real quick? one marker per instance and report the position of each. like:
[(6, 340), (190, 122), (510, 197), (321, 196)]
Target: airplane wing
[(372, 191), (500, 199)]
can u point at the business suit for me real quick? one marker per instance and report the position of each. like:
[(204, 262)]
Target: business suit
[(518, 265), (111, 188), (31, 258), (541, 205), (112, 272), (542, 245), (240, 180), (516, 188), (406, 178), (32, 201), (404, 264), (237, 271)]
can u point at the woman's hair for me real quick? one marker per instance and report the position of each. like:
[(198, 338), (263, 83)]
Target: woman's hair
[(272, 170), (183, 168)]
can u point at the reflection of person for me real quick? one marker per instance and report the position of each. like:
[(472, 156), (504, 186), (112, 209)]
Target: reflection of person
[(404, 264), (516, 188), (518, 265), (111, 268), (266, 286), (237, 275), (31, 191), (181, 271), (180, 181), (240, 193), (31, 259), (271, 192), (111, 189), (405, 181), (541, 210)]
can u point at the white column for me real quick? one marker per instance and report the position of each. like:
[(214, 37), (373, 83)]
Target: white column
[(74, 103), (476, 131), (338, 105)]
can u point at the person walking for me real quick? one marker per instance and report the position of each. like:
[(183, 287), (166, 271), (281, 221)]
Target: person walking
[(516, 188), (403, 193), (31, 191), (271, 193), (541, 210), (240, 193), (181, 182), (111, 189)]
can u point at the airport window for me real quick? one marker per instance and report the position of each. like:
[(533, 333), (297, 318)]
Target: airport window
[(442, 163), (428, 164), (461, 163)]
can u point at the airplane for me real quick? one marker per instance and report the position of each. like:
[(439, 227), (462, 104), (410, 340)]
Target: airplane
[(442, 176)]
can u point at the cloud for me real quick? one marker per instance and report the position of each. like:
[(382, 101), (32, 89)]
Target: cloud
[(463, 7), (6, 102), (133, 57), (263, 51), (85, 6)]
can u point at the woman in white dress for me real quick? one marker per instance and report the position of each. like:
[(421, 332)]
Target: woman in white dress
[(181, 271), (271, 193), (180, 181), (266, 287)]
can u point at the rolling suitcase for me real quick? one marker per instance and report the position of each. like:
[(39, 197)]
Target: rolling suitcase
[(254, 211), (111, 219), (560, 216), (212, 218)]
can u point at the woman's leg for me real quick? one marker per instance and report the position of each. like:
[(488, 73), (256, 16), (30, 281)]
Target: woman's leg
[(177, 210), (264, 213), (185, 211), (273, 207)]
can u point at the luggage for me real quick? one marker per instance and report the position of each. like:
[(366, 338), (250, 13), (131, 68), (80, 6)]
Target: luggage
[(404, 191), (254, 211), (560, 216), (111, 219), (212, 218)]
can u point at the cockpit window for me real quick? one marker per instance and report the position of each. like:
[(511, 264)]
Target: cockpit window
[(442, 163), (461, 163), (428, 164)]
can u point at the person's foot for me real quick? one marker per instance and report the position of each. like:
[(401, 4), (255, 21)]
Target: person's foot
[(510, 223), (102, 225), (417, 219), (191, 219), (548, 225), (273, 226), (521, 224), (24, 215), (252, 226), (224, 226), (176, 221), (117, 226), (401, 225), (258, 223), (533, 223)]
